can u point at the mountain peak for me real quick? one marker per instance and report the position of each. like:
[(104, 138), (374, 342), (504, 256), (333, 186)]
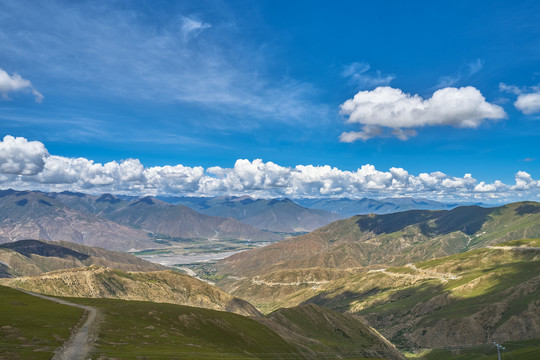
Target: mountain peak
[(108, 198)]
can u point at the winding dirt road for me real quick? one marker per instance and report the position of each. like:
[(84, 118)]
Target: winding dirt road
[(78, 345), (423, 274)]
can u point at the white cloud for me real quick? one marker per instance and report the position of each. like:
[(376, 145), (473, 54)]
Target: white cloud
[(528, 103), (21, 157), (524, 182), (27, 165), (15, 83), (391, 108), (359, 74)]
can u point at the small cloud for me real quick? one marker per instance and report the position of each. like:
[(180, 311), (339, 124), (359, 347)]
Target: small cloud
[(368, 132), (192, 28), (529, 159), (392, 108), (358, 74), (528, 100), (528, 103), (474, 66), (15, 83), (512, 89)]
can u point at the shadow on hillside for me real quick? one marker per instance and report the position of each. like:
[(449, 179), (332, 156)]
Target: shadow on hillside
[(467, 219), (527, 209)]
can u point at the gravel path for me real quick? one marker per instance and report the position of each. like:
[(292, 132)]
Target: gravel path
[(78, 346)]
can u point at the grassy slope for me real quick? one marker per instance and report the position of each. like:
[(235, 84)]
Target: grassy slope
[(32, 328), (139, 330), (144, 330)]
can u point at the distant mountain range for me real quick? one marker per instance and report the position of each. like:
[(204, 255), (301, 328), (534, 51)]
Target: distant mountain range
[(110, 222), (350, 207), (280, 215), (34, 215), (302, 214), (124, 223)]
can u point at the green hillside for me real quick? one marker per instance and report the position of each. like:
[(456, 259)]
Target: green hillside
[(138, 330), (145, 330), (32, 328)]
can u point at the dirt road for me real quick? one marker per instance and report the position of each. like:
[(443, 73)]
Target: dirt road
[(79, 344)]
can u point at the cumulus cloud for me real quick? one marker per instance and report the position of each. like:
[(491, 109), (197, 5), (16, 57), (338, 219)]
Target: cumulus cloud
[(15, 83), (386, 107), (19, 156), (27, 165), (359, 74)]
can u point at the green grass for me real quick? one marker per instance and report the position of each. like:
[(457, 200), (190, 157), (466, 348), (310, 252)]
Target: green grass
[(144, 330), (32, 328)]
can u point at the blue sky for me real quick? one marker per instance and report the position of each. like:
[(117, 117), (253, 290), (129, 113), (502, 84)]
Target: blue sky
[(205, 83)]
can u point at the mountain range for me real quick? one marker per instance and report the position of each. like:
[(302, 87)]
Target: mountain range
[(279, 215), (34, 215), (350, 207), (110, 222)]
